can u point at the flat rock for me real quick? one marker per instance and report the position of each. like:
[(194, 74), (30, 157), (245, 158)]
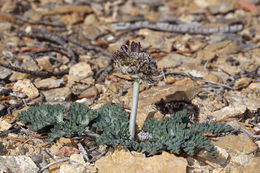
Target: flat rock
[(173, 59), (90, 32), (211, 77), (79, 73), (25, 86), (252, 165), (90, 92), (168, 93), (128, 162), (255, 86), (21, 164), (221, 7), (70, 168), (186, 82), (148, 98), (71, 19), (157, 41), (241, 147), (145, 112), (4, 125), (250, 100), (4, 73), (44, 63), (220, 160), (48, 83), (57, 95), (77, 158), (80, 77), (230, 111), (194, 69), (242, 83), (18, 76), (219, 48)]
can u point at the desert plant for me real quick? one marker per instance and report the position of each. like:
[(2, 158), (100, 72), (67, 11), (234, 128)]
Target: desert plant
[(62, 122), (132, 59), (110, 126)]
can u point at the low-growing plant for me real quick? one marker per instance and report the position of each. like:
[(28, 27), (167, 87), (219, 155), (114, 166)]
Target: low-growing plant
[(62, 122), (110, 126)]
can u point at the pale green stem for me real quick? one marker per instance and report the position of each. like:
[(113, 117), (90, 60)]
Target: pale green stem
[(134, 107)]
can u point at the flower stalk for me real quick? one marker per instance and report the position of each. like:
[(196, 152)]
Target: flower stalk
[(134, 106)]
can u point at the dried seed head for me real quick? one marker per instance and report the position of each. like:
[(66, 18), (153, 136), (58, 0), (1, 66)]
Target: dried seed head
[(132, 59)]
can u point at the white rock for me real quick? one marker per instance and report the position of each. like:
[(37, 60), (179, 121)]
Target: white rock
[(21, 164), (79, 73), (229, 112), (25, 86), (77, 158), (4, 125)]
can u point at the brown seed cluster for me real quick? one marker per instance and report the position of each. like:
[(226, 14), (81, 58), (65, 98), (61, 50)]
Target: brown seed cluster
[(132, 59)]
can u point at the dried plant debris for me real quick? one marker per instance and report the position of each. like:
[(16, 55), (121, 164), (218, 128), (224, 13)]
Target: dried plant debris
[(110, 124), (191, 28)]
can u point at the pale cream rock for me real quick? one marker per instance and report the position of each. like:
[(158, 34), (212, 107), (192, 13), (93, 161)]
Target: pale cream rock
[(57, 95), (25, 86), (129, 162), (242, 83)]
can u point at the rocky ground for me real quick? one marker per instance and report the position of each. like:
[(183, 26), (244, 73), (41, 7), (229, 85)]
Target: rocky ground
[(60, 52)]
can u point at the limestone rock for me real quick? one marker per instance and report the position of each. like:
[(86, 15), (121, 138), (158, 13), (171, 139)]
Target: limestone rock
[(48, 83), (255, 86), (174, 59), (250, 100), (70, 168), (211, 77), (221, 7), (79, 73), (4, 73), (128, 162), (219, 48), (71, 19), (21, 164), (158, 40), (145, 112), (240, 147), (242, 83), (90, 32), (168, 93), (252, 166), (57, 95), (185, 82), (230, 111), (80, 77), (88, 93), (77, 158), (4, 125), (25, 86)]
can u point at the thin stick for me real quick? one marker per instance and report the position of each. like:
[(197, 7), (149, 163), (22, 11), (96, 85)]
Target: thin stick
[(36, 73), (98, 156), (83, 152), (134, 106), (53, 163)]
